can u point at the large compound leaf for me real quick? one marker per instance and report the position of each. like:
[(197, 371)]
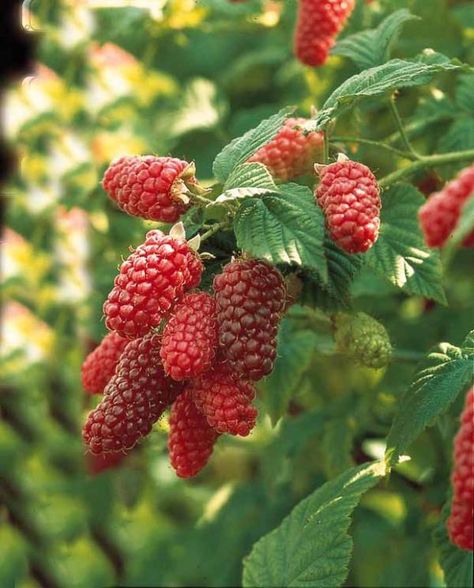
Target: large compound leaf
[(371, 48), (283, 228), (400, 253), (447, 371), (380, 80), (240, 149), (311, 547)]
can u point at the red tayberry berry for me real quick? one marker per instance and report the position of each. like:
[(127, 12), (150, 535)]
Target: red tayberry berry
[(318, 23), (190, 337), (441, 212), (251, 297), (134, 399), (96, 464), (349, 196), (150, 187), (151, 280), (460, 521), (226, 400), (191, 439), (291, 153), (99, 365)]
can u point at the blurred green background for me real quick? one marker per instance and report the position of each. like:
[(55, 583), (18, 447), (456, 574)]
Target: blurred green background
[(182, 77)]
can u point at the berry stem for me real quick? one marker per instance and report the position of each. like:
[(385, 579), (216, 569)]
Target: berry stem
[(427, 161), (374, 143), (401, 129), (214, 229)]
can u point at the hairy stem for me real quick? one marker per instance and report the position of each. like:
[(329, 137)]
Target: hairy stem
[(214, 229), (377, 144), (401, 129)]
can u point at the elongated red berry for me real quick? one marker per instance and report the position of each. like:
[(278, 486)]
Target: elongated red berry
[(349, 195), (99, 365), (134, 399), (291, 153), (191, 439), (250, 296), (318, 23), (151, 280), (440, 214), (226, 400), (460, 522), (150, 187), (190, 337), (96, 464)]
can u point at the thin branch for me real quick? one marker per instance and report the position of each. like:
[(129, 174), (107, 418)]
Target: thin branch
[(401, 129), (214, 229), (374, 143)]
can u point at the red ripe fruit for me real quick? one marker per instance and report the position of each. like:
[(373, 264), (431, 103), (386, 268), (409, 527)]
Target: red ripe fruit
[(318, 23), (250, 296), (150, 187), (151, 280), (99, 365), (460, 522), (190, 337), (225, 400), (191, 440), (441, 212), (134, 399), (291, 153), (96, 464), (349, 195)]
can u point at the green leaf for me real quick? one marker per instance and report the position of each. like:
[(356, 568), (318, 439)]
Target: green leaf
[(456, 563), (377, 81), (337, 446), (370, 48), (247, 179), (400, 254), (460, 135), (294, 352), (466, 222), (446, 373), (311, 547), (240, 149), (465, 92), (283, 228)]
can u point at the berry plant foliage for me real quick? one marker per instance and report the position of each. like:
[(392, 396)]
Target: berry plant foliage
[(251, 359)]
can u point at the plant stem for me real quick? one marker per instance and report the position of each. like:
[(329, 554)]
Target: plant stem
[(214, 229), (427, 161), (401, 129), (199, 199), (374, 143)]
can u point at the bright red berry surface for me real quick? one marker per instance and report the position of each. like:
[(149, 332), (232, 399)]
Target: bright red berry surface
[(226, 400), (291, 153), (134, 399), (150, 282), (191, 439), (251, 297), (147, 186), (99, 365), (318, 23), (440, 213), (190, 337), (349, 196)]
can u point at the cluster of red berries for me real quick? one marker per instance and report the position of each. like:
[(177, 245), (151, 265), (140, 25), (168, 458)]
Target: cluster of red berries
[(440, 214), (317, 26), (461, 520), (203, 363)]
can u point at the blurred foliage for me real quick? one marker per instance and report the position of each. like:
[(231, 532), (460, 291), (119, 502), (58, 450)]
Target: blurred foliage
[(185, 77)]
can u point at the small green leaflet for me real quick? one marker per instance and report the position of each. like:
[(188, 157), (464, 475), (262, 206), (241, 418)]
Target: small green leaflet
[(370, 48), (311, 547), (240, 149), (294, 352), (380, 80), (283, 228), (457, 564), (447, 372), (400, 253), (247, 179)]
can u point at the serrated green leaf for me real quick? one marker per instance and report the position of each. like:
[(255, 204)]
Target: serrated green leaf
[(240, 149), (468, 343), (446, 373), (311, 547), (283, 228), (466, 222), (377, 81), (248, 179), (294, 352), (400, 254), (456, 563), (370, 48)]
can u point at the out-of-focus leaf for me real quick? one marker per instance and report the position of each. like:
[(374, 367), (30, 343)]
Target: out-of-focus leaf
[(337, 446), (466, 222)]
